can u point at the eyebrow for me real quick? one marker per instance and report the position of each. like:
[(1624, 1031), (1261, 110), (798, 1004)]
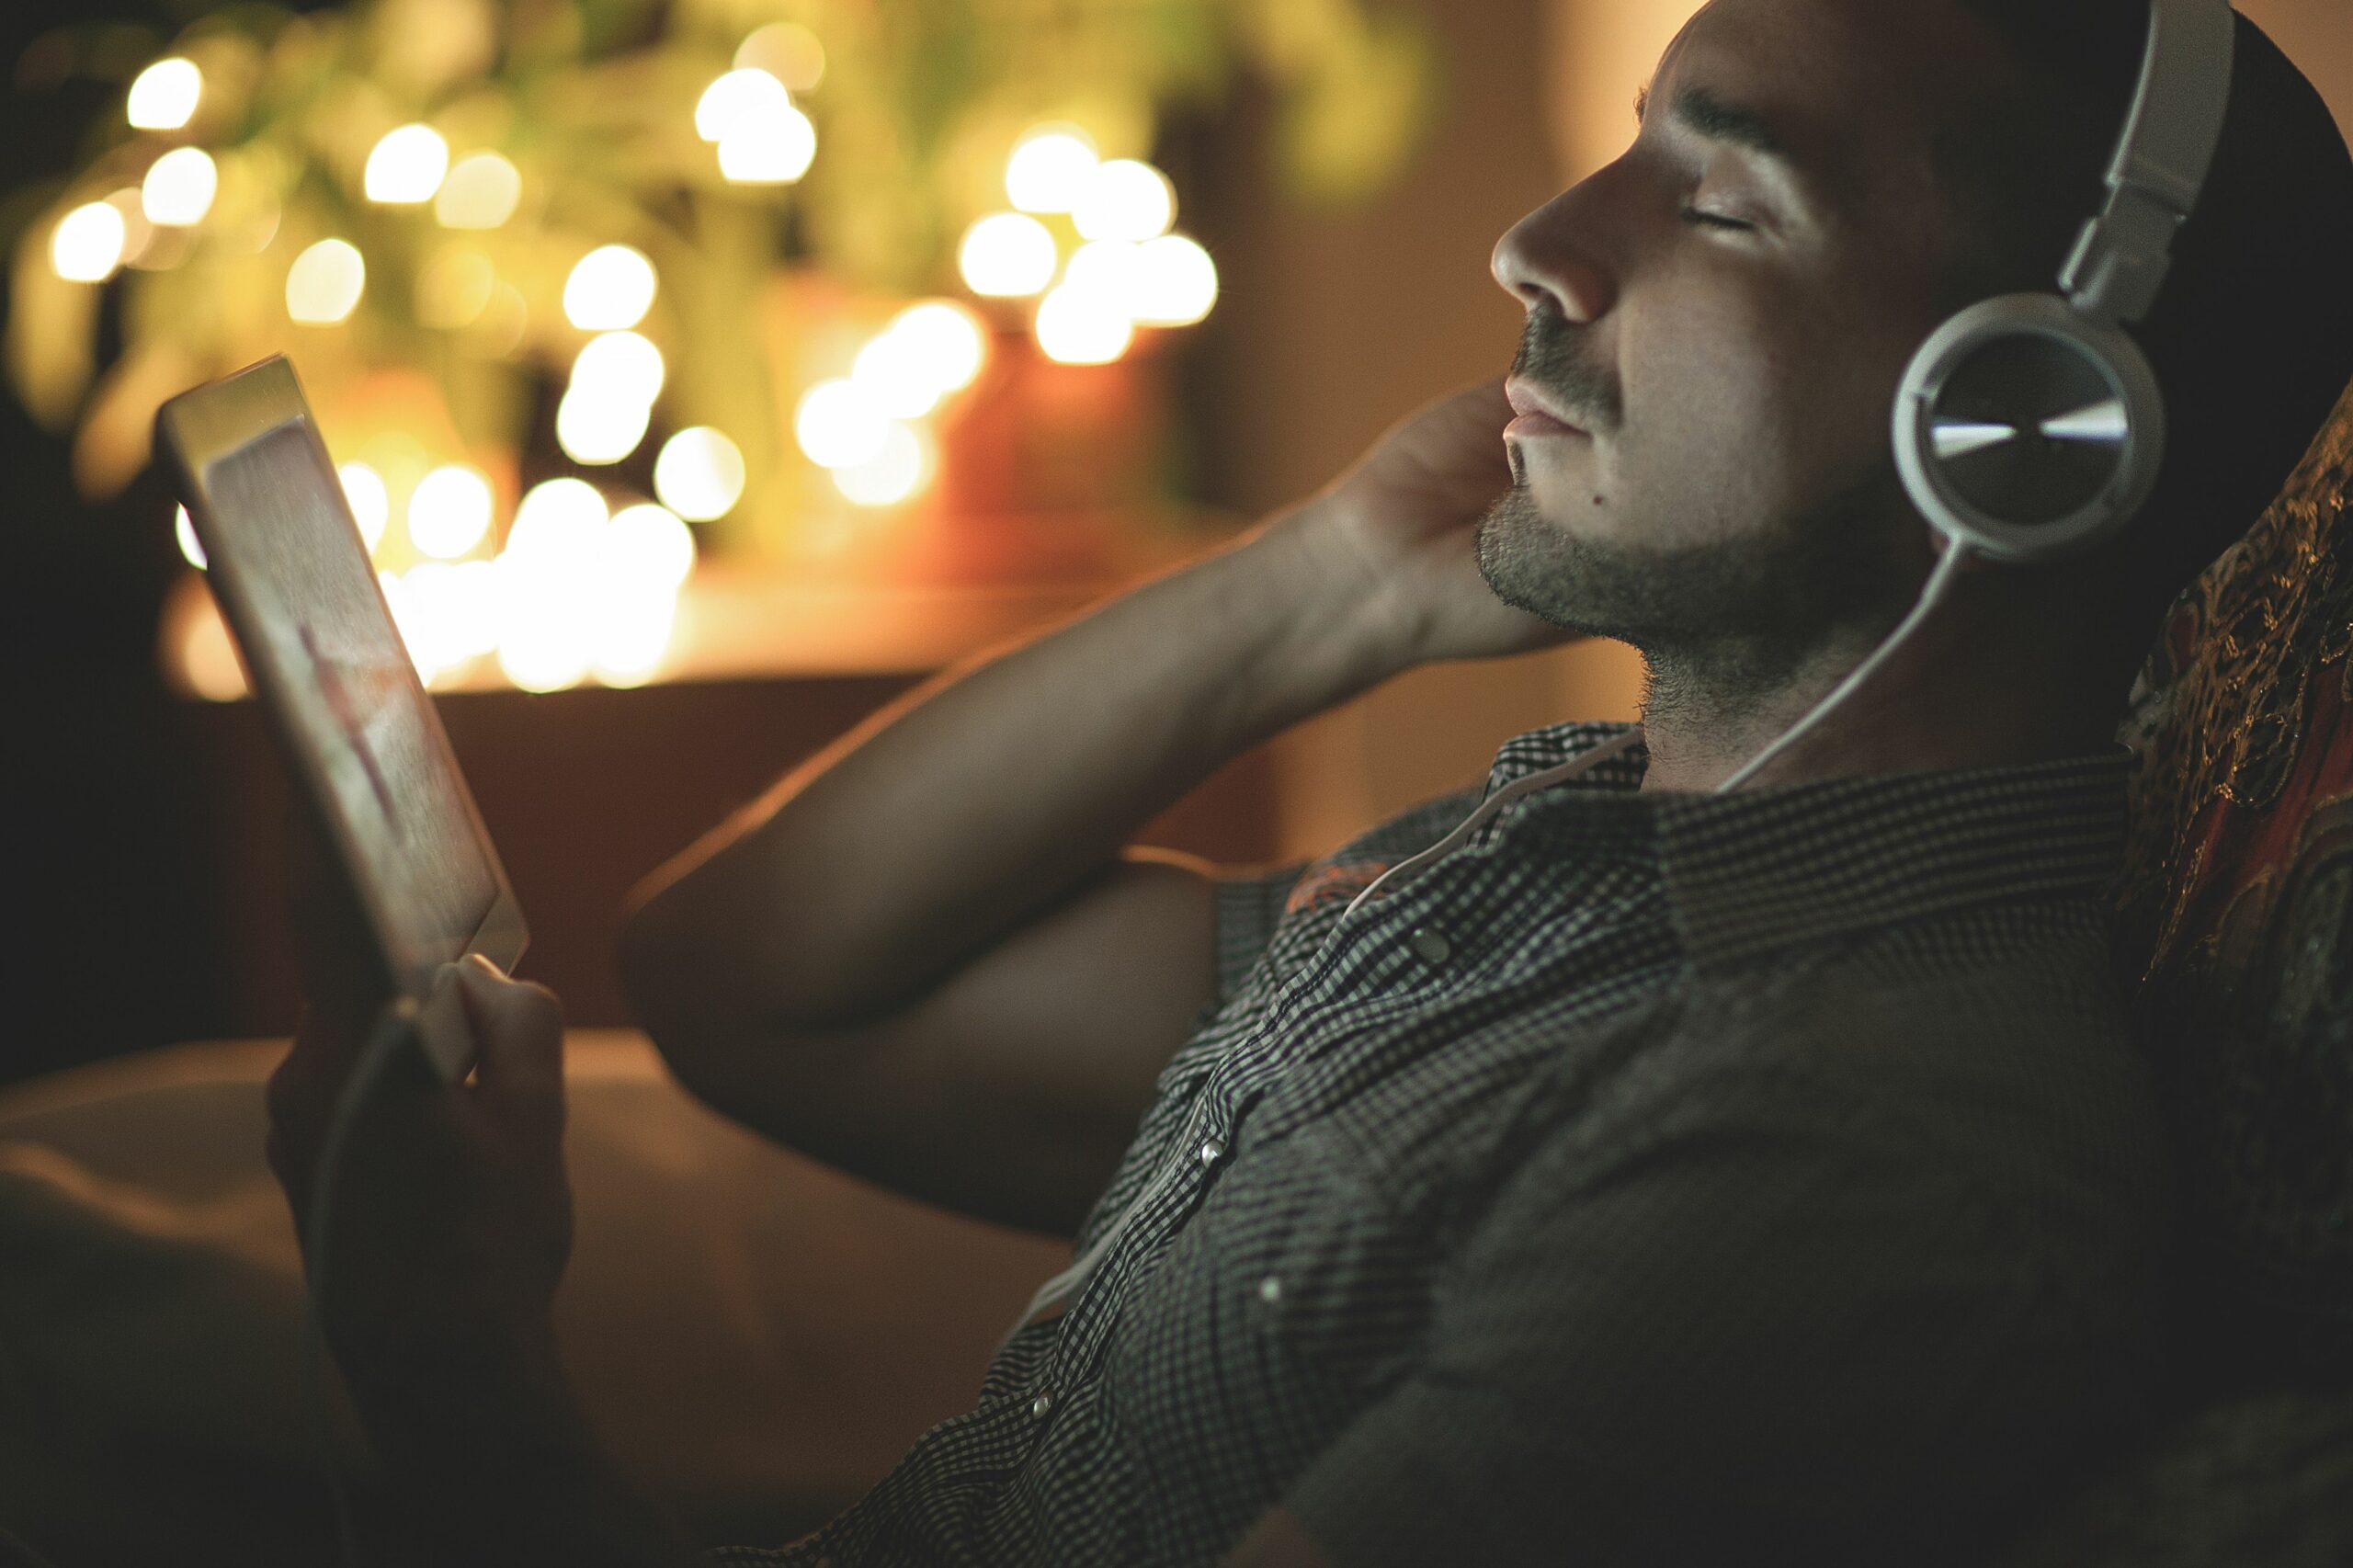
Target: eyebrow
[(1706, 114)]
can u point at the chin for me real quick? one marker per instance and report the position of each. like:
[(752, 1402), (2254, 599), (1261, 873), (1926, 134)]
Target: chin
[(1567, 507)]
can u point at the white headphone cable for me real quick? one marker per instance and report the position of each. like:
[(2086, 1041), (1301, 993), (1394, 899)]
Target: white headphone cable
[(1615, 746), (1939, 583)]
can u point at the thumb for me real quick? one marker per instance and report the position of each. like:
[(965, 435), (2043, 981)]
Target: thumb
[(518, 1038)]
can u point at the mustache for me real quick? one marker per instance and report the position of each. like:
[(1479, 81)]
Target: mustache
[(1553, 357)]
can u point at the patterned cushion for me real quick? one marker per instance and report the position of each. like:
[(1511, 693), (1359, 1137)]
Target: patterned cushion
[(2238, 915), (2239, 897)]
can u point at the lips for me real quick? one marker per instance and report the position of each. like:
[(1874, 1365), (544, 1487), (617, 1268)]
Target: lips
[(1532, 408)]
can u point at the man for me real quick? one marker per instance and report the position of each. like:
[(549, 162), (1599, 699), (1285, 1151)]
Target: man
[(1660, 1176)]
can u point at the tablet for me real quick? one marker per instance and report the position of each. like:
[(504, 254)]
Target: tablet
[(291, 574)]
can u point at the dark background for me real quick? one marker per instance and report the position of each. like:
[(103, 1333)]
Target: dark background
[(104, 872)]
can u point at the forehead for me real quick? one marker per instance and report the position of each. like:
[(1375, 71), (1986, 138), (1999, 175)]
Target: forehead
[(1858, 89)]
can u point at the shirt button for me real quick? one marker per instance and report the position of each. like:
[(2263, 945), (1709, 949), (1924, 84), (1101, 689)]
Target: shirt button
[(1431, 944), (1271, 1289), (1040, 1405), (1212, 1150)]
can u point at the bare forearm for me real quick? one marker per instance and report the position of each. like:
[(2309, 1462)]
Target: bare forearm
[(971, 803)]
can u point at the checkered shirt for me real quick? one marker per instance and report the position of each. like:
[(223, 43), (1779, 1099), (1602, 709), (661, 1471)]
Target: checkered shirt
[(1649, 1178)]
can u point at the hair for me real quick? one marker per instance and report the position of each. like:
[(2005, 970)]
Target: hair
[(2251, 335)]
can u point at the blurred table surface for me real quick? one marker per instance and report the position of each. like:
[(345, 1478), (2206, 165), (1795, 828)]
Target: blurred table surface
[(585, 790)]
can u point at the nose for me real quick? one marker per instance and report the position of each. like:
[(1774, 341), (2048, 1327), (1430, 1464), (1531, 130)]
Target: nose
[(1549, 252)]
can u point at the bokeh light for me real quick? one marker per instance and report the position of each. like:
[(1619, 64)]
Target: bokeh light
[(1125, 199), (407, 166), (892, 371), (1007, 254), (1049, 169), (448, 614), (738, 98), (414, 636), (610, 289), (164, 96), (630, 637), (179, 187), (481, 192), (578, 591), (371, 502), (594, 428), (1176, 282), (787, 50), (454, 287), (896, 470), (1077, 327), (949, 338), (88, 243), (1108, 270), (449, 512), (325, 283), (542, 642), (623, 366), (651, 542), (555, 517), (138, 235), (768, 148), (699, 473), (545, 577), (838, 424), (184, 529)]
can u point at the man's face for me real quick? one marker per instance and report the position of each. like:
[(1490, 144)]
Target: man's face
[(1730, 499)]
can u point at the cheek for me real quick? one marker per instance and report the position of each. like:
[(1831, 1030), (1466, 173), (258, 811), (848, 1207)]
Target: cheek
[(1750, 408), (1718, 424)]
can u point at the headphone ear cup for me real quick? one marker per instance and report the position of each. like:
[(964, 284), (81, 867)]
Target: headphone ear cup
[(2028, 431)]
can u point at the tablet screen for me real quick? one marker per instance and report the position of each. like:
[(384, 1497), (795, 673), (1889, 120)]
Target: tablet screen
[(348, 682)]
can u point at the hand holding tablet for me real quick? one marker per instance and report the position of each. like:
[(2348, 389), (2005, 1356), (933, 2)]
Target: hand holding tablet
[(428, 1182), (357, 732)]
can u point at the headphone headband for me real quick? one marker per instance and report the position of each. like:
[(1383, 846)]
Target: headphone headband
[(2161, 162), (2030, 427)]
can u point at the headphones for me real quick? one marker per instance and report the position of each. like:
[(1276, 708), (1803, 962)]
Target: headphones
[(2030, 426)]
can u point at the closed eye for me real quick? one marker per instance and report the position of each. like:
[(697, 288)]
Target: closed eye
[(1696, 219)]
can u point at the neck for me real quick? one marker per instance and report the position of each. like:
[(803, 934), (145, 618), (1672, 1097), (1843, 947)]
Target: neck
[(1985, 681)]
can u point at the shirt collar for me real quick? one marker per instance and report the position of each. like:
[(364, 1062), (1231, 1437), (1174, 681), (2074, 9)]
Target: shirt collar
[(1556, 744), (1767, 867)]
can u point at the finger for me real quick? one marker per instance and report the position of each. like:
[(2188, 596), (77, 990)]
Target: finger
[(519, 1039)]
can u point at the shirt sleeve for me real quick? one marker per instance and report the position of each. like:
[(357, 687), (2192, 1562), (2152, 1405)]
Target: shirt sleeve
[(1770, 1329)]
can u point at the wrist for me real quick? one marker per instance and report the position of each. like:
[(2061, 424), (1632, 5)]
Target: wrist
[(1341, 627)]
